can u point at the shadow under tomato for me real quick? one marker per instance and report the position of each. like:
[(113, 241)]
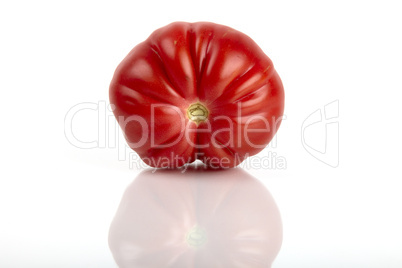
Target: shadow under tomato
[(196, 218)]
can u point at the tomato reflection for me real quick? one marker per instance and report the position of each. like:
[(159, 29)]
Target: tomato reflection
[(197, 218)]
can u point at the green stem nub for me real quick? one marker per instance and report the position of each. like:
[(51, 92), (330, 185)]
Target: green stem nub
[(197, 113)]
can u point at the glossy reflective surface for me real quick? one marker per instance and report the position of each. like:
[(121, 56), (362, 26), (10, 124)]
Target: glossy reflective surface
[(199, 218)]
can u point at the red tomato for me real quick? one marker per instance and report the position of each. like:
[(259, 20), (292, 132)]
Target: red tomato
[(197, 91)]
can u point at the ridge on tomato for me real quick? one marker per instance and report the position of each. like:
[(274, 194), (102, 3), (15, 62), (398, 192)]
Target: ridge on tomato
[(197, 91)]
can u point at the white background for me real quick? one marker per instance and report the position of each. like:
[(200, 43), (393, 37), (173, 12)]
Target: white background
[(57, 201)]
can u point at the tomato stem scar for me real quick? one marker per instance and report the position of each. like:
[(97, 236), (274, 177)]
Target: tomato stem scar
[(197, 112)]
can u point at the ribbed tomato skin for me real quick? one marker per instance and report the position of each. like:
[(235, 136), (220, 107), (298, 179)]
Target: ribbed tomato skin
[(186, 63)]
